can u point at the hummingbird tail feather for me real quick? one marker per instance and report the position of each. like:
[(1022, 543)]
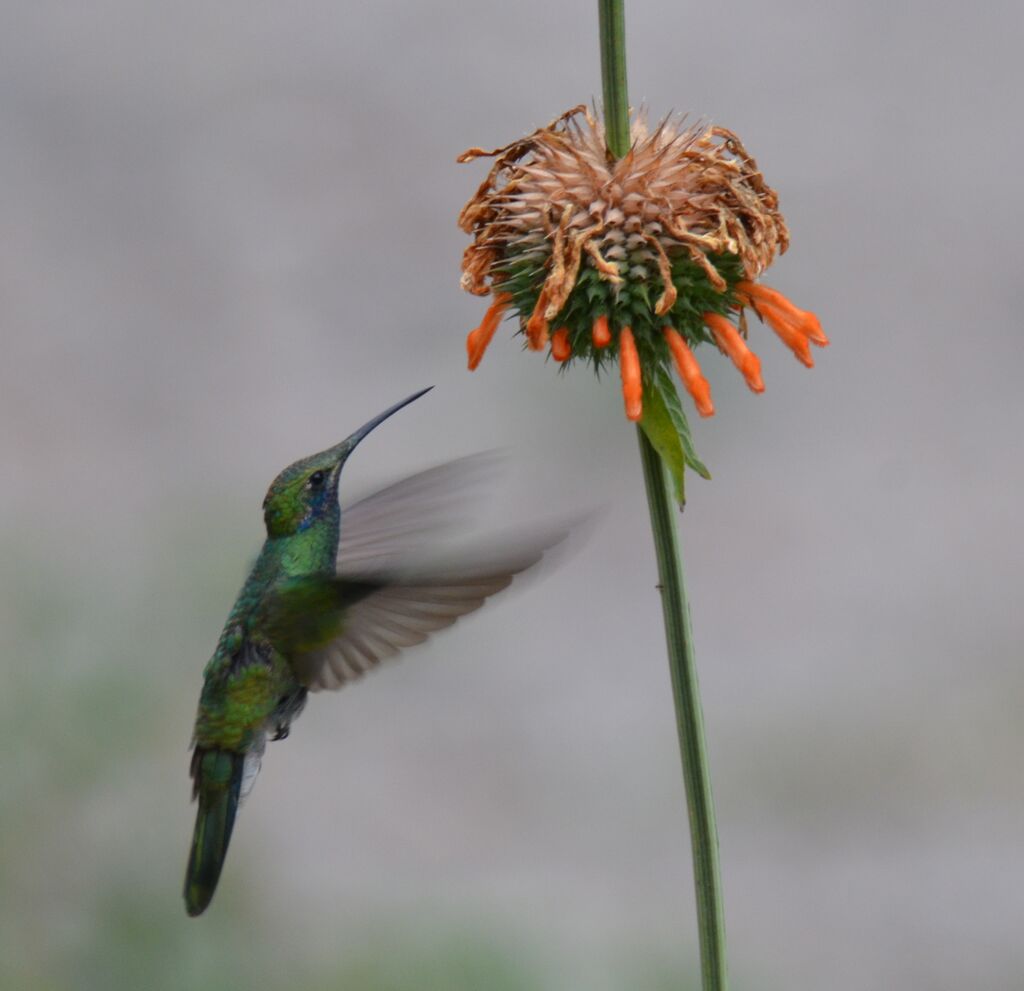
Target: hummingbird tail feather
[(218, 779)]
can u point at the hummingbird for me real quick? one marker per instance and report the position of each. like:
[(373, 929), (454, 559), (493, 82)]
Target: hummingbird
[(329, 597)]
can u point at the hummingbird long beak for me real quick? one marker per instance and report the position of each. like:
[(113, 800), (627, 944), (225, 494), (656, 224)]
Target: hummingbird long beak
[(348, 445)]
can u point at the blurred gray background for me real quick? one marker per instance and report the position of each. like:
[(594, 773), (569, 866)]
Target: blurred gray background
[(228, 237)]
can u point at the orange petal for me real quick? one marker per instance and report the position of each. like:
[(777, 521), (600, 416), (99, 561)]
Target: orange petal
[(802, 320), (561, 349), (812, 328), (789, 334), (477, 341), (689, 371), (537, 325), (629, 365), (728, 339), (601, 333)]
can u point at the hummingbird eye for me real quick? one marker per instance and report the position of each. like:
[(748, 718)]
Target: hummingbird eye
[(316, 480)]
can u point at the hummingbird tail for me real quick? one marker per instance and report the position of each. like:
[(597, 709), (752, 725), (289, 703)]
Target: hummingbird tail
[(217, 776)]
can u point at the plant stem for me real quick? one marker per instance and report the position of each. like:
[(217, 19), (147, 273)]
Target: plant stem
[(611, 17), (672, 584), (689, 719)]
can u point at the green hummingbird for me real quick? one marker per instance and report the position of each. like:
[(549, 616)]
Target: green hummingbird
[(330, 596)]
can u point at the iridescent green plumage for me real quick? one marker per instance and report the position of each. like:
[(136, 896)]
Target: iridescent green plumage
[(318, 609), (250, 684)]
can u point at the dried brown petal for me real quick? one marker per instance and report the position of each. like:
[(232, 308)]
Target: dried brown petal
[(558, 195)]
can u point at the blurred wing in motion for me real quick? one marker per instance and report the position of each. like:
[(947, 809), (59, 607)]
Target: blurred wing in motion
[(384, 529), (402, 609)]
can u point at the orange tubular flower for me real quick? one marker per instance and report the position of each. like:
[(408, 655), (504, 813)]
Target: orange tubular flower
[(773, 307), (788, 334), (601, 333), (629, 364), (689, 371), (561, 349), (729, 340), (477, 341)]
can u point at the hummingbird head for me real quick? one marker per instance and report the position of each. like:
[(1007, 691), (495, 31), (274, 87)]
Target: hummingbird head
[(307, 490)]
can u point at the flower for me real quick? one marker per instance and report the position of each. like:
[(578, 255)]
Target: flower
[(643, 259)]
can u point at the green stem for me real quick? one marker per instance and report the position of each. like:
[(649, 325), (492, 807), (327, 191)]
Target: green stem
[(689, 719), (611, 17), (676, 611)]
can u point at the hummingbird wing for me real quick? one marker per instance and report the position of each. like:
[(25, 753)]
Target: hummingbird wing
[(385, 613), (385, 528)]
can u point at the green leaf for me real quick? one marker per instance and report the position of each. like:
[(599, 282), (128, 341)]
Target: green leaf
[(675, 410), (665, 425)]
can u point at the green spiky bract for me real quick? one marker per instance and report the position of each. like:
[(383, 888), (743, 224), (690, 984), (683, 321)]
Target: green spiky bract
[(631, 303)]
